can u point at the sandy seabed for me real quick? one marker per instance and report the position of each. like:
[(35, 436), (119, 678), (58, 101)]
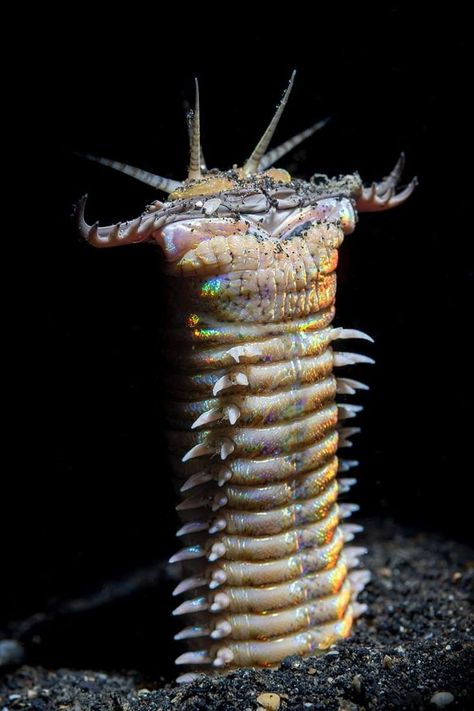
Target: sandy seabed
[(413, 650)]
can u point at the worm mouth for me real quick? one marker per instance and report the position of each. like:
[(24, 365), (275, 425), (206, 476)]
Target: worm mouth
[(258, 197), (274, 228), (259, 193)]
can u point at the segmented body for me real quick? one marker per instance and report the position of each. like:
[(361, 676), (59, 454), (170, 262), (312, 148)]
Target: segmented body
[(251, 365), (254, 420)]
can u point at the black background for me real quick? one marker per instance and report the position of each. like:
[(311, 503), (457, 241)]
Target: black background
[(86, 496)]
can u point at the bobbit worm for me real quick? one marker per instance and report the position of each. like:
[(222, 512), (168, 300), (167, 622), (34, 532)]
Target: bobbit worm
[(254, 423)]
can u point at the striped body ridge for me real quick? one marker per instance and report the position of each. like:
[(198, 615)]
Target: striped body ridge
[(254, 430), (254, 417)]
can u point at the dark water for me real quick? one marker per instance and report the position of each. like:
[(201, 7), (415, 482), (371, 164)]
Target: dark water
[(86, 498)]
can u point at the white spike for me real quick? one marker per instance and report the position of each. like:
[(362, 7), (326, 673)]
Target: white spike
[(188, 553), (224, 656), (192, 502), (199, 450), (348, 431), (189, 584), (222, 384), (233, 413), (346, 484), (349, 530), (344, 433), (228, 381), (201, 657), (227, 447), (221, 602), (248, 351), (348, 386), (343, 333), (358, 609), (187, 678), (346, 411), (191, 632), (347, 510), (219, 501), (210, 416), (193, 527), (222, 629), (218, 578), (342, 358), (236, 352), (358, 580), (198, 604), (241, 379), (217, 551), (345, 464), (218, 525), (353, 554), (230, 412), (223, 476), (196, 480)]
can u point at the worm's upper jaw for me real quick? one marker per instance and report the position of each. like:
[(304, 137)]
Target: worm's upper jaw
[(383, 196), (113, 235)]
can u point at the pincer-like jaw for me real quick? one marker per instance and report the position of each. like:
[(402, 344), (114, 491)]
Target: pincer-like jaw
[(383, 195), (122, 233)]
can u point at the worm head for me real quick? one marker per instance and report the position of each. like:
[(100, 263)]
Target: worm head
[(260, 194)]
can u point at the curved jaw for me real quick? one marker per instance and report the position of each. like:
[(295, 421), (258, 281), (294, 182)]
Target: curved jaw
[(383, 195)]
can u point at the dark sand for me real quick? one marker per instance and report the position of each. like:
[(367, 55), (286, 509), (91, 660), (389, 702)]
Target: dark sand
[(417, 640)]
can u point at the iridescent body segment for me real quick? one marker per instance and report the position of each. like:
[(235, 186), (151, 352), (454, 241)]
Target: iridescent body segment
[(254, 421)]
